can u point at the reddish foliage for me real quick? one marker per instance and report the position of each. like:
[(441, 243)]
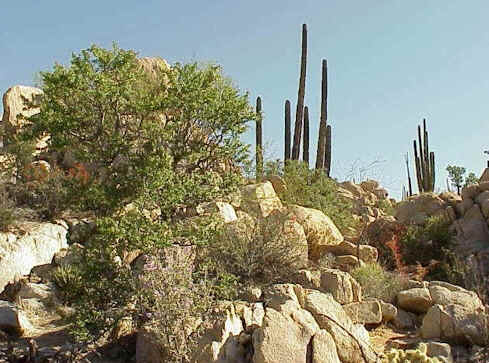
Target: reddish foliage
[(80, 173)]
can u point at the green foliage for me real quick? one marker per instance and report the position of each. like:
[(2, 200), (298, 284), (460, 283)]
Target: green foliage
[(144, 146), (7, 209), (456, 176), (429, 242), (313, 189), (378, 283), (386, 206), (471, 179), (257, 251)]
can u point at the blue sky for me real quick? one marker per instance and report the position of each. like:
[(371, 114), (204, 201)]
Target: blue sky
[(391, 63)]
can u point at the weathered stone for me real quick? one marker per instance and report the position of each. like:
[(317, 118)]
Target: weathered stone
[(12, 320), (348, 263), (19, 102), (418, 208), (260, 199), (470, 191), (369, 185), (365, 312), (19, 254), (283, 337), (331, 317), (278, 183), (389, 311), (417, 300), (222, 343), (344, 288), (404, 320), (324, 348), (443, 293), (439, 350), (319, 229), (367, 254), (472, 230), (225, 211), (453, 324)]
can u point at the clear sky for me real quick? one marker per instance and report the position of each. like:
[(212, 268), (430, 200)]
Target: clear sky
[(391, 63)]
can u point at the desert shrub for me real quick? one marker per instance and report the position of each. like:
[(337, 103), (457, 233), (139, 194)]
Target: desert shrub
[(262, 251), (386, 207), (378, 283), (68, 280), (430, 245), (7, 209), (313, 189), (154, 143)]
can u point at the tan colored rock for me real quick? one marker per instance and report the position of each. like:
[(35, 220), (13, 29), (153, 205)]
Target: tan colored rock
[(404, 320), (225, 211), (369, 185), (418, 208), (281, 339), (443, 293), (13, 320), (16, 106), (439, 350), (453, 324), (470, 191), (350, 343), (381, 193), (324, 348), (260, 199), (450, 197), (368, 254), (472, 229), (484, 185), (464, 206), (353, 188), (37, 246), (341, 285), (278, 183), (319, 229), (365, 312), (221, 342), (389, 311), (348, 263), (417, 300)]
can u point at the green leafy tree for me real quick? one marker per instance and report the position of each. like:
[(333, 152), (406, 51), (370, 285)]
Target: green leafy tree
[(471, 179), (456, 176), (156, 141)]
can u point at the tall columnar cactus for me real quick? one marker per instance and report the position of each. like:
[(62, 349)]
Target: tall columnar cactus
[(305, 144), (324, 116), (425, 162), (410, 190), (300, 97), (287, 130), (259, 141), (327, 151)]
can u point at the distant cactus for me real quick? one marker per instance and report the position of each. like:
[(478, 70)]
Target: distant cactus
[(259, 141), (305, 144), (327, 152), (300, 97), (287, 130), (410, 187), (324, 116), (425, 162)]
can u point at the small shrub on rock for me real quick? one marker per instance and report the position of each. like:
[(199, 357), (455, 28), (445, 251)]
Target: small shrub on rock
[(378, 283)]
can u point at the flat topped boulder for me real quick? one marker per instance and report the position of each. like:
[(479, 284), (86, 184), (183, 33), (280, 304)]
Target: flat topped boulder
[(18, 102)]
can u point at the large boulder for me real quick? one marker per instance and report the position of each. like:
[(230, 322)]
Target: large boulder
[(416, 300), (19, 102), (367, 254), (443, 293), (37, 246), (364, 312), (324, 348), (350, 342), (320, 230), (13, 320), (472, 230), (454, 324), (341, 285), (260, 199), (416, 209)]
